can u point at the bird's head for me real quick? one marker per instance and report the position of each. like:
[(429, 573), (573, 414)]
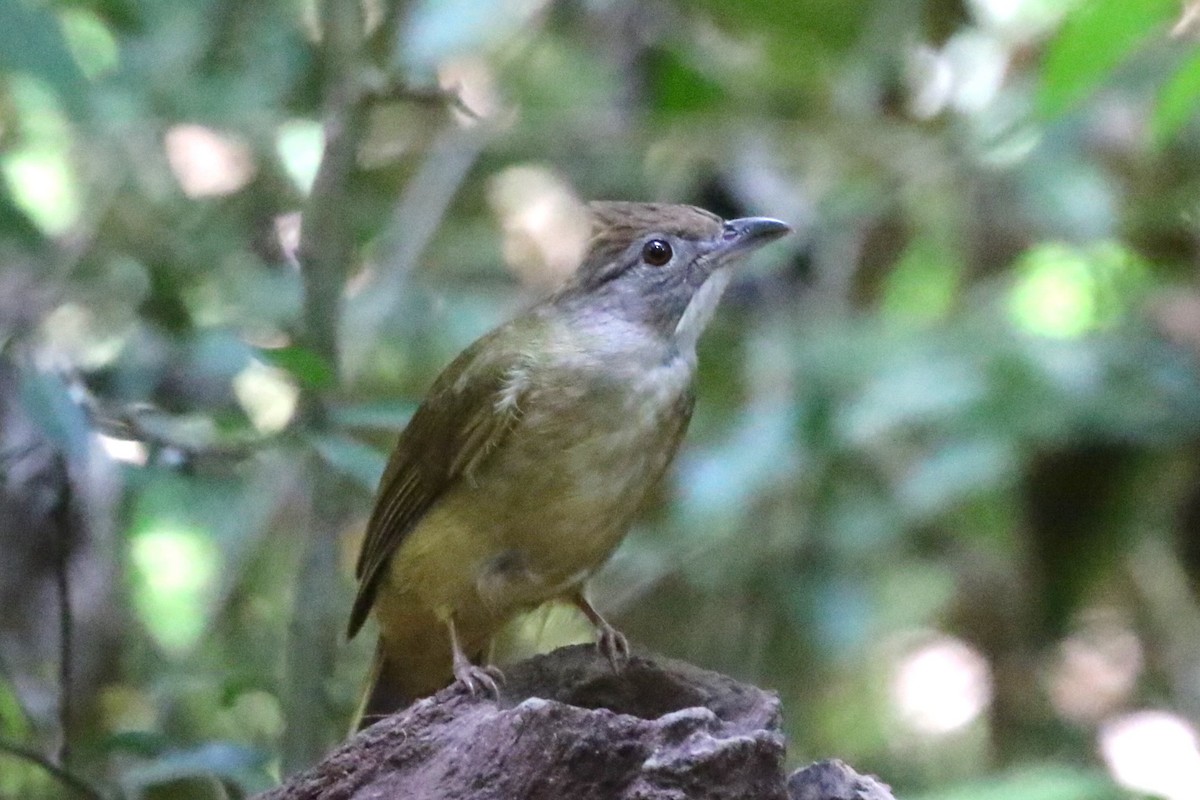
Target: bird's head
[(662, 265)]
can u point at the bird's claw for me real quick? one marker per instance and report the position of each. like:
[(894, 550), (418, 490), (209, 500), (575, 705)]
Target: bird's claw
[(486, 680), (613, 645)]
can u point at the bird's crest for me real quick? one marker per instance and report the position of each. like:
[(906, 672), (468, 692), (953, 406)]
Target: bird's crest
[(616, 224)]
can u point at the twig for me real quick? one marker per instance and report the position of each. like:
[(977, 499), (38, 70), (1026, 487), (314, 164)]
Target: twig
[(60, 519), (389, 88), (63, 775), (130, 422)]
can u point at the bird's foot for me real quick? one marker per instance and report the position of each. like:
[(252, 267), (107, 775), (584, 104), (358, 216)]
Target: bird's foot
[(480, 680), (613, 645)]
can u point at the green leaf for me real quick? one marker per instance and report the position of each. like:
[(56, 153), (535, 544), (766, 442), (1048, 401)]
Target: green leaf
[(1096, 38), (1176, 102), (308, 368), (680, 87), (355, 460)]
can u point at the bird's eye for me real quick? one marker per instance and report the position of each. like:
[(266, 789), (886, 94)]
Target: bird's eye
[(656, 252)]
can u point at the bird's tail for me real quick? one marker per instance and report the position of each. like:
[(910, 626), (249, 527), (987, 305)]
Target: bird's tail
[(381, 696), (403, 673)]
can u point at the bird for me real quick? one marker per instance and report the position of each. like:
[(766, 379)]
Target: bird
[(524, 466)]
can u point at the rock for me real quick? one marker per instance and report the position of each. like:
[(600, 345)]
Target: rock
[(567, 727), (833, 780)]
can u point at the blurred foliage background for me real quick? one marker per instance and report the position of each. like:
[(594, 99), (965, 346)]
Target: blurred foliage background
[(942, 490)]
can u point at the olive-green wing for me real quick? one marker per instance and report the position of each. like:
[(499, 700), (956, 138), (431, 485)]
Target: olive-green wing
[(680, 417), (471, 408)]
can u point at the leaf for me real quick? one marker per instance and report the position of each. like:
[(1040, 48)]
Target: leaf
[(357, 461), (1176, 102), (308, 368), (47, 401), (1096, 38), (679, 86)]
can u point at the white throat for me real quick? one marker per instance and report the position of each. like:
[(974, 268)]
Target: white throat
[(700, 310)]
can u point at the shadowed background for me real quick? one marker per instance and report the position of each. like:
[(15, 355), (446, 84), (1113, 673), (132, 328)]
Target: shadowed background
[(942, 487)]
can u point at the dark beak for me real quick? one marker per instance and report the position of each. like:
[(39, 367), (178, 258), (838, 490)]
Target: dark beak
[(751, 233)]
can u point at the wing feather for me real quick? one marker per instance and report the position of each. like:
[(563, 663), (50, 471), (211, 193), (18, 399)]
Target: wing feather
[(470, 410)]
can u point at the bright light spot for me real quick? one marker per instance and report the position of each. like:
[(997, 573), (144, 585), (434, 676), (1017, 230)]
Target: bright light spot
[(300, 144), (1153, 752), (207, 163), (967, 74), (1096, 670), (90, 41), (71, 329), (128, 451), (287, 231), (941, 686), (176, 569), (475, 83), (1021, 19), (37, 167), (267, 395), (546, 227), (44, 186), (931, 80), (1064, 291), (978, 62)]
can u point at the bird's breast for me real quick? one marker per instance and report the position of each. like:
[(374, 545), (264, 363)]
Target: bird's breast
[(587, 449), (550, 503)]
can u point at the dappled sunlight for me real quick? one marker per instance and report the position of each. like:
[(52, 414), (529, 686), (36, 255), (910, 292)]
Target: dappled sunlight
[(1153, 752), (544, 223), (267, 395), (1096, 670), (73, 332), (38, 167), (299, 144), (1064, 292), (941, 686), (175, 567), (207, 163), (127, 451), (474, 80), (1021, 19)]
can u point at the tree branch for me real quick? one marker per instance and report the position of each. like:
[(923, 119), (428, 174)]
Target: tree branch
[(325, 252)]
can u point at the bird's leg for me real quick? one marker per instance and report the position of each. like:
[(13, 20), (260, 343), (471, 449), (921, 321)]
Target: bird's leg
[(476, 678), (609, 641)]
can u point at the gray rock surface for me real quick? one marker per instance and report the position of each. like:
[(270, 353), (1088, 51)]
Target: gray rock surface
[(833, 780), (567, 727)]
